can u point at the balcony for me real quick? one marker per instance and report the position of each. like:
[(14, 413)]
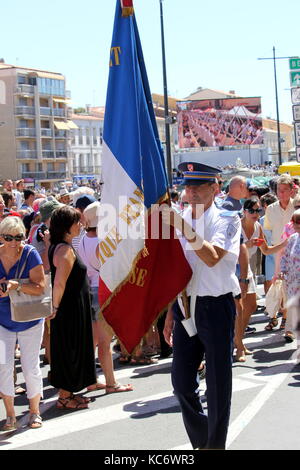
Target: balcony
[(45, 111), (36, 175), (60, 112), (24, 89), (25, 132), (83, 170), (47, 154), (56, 175), (61, 135), (25, 110), (27, 154), (46, 132), (61, 154)]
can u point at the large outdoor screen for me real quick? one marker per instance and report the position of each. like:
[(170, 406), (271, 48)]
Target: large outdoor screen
[(219, 122)]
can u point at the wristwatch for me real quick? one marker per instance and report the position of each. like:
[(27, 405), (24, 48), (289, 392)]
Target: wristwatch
[(246, 281)]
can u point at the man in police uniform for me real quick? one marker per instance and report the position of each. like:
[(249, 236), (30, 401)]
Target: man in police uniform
[(211, 244)]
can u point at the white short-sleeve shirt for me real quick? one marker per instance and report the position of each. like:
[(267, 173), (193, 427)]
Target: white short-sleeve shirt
[(222, 229), (276, 218)]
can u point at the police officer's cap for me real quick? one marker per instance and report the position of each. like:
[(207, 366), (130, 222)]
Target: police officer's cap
[(198, 173)]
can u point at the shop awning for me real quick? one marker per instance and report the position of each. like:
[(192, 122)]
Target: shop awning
[(72, 125), (61, 125), (61, 100), (47, 75)]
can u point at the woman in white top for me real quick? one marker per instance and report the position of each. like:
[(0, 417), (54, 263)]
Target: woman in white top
[(102, 333), (254, 238)]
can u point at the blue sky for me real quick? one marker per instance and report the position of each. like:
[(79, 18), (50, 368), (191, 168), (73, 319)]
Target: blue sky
[(213, 44)]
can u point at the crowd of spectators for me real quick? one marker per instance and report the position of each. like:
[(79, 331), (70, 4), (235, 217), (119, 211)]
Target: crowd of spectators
[(61, 228)]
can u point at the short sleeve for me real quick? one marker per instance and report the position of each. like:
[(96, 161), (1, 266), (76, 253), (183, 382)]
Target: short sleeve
[(33, 260), (267, 223), (228, 234)]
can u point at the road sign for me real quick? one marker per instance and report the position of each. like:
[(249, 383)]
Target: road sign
[(295, 92), (298, 154), (295, 63), (297, 133), (296, 112), (295, 78)]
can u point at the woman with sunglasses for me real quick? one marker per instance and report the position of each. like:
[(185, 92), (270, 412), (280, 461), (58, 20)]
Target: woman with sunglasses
[(13, 253), (253, 238)]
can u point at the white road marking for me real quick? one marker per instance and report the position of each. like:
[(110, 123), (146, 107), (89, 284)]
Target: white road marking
[(81, 420), (260, 399)]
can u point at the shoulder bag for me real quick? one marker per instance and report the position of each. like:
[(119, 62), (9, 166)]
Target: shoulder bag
[(26, 307)]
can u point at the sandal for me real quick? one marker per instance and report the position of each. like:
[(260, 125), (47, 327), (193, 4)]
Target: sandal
[(289, 337), (124, 359), (35, 421), (65, 403), (19, 390), (282, 324), (143, 360), (10, 425), (96, 386), (117, 388), (271, 325)]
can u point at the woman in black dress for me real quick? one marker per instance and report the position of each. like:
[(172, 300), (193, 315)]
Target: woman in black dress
[(72, 351)]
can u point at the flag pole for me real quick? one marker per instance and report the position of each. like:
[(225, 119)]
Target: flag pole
[(166, 101)]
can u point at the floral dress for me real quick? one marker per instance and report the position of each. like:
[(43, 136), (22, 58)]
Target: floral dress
[(290, 265)]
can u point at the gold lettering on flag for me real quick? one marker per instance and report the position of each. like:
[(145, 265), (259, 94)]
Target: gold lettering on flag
[(108, 246), (115, 52), (138, 276)]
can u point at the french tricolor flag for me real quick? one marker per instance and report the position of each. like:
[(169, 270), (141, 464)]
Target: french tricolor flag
[(140, 273)]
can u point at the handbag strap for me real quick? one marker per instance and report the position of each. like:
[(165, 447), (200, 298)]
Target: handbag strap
[(19, 271)]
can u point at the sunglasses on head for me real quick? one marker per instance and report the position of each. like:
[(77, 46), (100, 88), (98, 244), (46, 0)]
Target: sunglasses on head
[(253, 211), (10, 238)]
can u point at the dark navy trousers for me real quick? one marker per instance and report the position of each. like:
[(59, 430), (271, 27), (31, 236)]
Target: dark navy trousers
[(214, 318)]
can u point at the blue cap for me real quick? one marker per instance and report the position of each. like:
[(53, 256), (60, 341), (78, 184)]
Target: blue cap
[(198, 173), (84, 201)]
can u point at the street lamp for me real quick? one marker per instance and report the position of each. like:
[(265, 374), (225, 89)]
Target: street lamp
[(166, 101)]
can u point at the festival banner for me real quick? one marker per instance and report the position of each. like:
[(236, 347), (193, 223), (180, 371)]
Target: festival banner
[(219, 122)]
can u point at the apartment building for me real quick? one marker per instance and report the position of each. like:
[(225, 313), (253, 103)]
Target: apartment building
[(35, 131), (86, 145)]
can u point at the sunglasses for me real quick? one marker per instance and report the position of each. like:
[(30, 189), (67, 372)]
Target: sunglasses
[(253, 211), (297, 221), (10, 238), (296, 207)]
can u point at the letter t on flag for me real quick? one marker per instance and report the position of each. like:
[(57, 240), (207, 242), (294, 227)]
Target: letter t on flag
[(139, 275)]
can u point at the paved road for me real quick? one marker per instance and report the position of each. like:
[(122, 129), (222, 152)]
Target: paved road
[(265, 407)]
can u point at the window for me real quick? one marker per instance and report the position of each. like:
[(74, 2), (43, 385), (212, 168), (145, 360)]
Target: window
[(80, 141), (87, 131), (25, 168), (38, 167), (50, 166), (21, 79)]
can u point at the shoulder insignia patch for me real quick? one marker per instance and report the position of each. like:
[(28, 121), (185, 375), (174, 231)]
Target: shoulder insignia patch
[(231, 230)]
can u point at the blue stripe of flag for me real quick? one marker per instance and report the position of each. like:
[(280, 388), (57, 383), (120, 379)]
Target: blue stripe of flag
[(130, 129)]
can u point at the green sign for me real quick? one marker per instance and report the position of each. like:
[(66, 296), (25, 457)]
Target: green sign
[(295, 63), (295, 78)]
